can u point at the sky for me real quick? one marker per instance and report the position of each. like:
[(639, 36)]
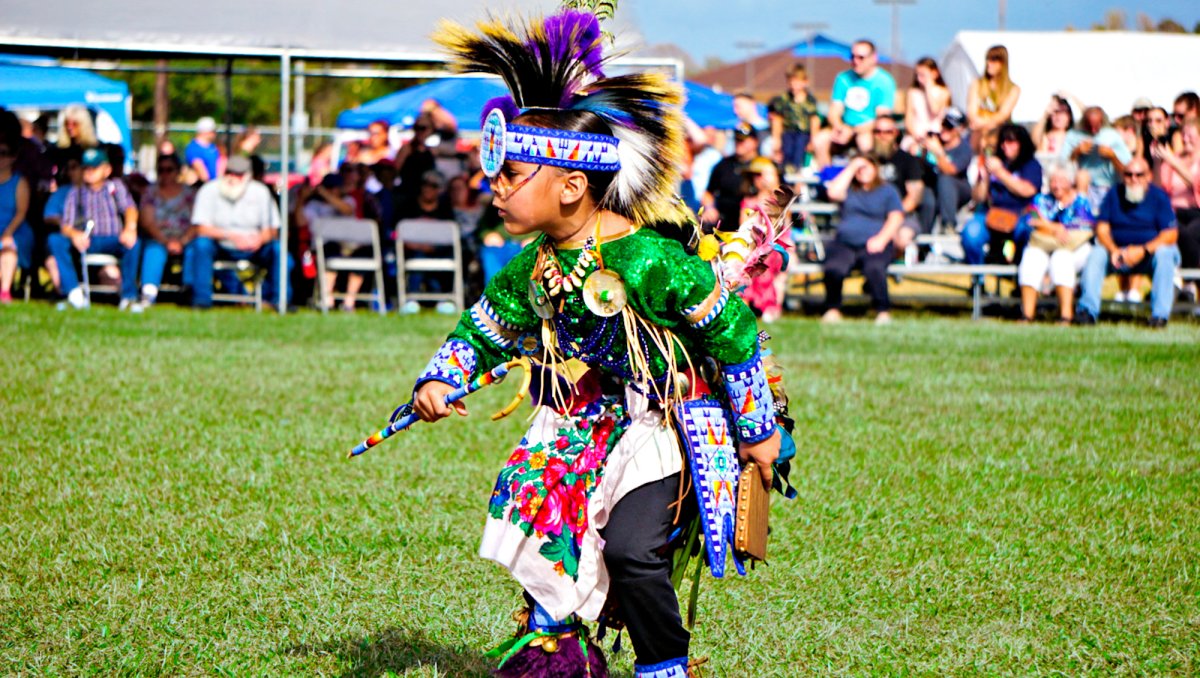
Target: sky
[(706, 28)]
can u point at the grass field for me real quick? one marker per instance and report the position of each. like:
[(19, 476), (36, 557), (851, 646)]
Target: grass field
[(975, 499)]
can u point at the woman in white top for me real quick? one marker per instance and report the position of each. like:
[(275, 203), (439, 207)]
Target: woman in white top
[(928, 99)]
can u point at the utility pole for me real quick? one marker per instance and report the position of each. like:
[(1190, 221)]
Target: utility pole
[(895, 27), (1003, 13), (811, 28), (751, 46)]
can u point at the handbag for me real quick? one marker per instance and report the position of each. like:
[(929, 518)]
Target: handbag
[(1000, 219), (1049, 244), (753, 512)]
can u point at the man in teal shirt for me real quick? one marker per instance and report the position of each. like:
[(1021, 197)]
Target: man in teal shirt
[(859, 96)]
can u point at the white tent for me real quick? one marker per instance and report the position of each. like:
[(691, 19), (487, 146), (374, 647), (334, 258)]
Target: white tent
[(1100, 68)]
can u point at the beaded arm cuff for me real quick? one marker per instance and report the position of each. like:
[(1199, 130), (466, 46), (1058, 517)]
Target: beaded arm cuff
[(453, 364), (751, 399)]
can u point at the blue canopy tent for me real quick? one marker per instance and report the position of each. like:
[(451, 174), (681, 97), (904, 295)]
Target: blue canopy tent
[(465, 98), (38, 84), (821, 47)]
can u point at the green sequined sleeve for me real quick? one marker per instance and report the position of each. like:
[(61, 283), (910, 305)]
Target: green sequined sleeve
[(503, 313), (679, 291)]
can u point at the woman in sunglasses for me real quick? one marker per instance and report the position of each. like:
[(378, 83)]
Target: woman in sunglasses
[(166, 219)]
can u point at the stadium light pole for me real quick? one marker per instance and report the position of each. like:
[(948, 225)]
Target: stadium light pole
[(750, 46), (1003, 13), (811, 28), (895, 27)]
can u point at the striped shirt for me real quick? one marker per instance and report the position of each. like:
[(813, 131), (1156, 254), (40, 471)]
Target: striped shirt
[(105, 206)]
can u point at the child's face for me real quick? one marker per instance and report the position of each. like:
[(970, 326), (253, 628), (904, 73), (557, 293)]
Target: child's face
[(95, 176), (798, 84), (526, 197)]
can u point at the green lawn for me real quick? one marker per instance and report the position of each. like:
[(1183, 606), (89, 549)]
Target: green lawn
[(974, 499)]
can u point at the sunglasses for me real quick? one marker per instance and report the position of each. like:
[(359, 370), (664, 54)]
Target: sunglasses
[(166, 169), (884, 132), (504, 188), (1136, 175), (859, 57)]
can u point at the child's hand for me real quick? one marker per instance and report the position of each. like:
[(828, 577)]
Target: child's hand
[(763, 454), (430, 402)]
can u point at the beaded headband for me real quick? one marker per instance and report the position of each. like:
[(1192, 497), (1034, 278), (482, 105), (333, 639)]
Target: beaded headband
[(543, 146)]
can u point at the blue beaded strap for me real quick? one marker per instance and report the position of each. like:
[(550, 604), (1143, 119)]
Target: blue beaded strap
[(492, 326), (562, 148), (453, 364), (672, 668), (703, 313), (540, 620), (750, 399)]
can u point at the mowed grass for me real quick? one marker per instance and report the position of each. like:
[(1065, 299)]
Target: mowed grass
[(974, 499)]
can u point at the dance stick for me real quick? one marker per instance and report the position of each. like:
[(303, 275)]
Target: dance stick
[(406, 417)]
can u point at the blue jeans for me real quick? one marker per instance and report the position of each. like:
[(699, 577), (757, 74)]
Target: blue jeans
[(60, 246), (976, 235), (494, 258), (795, 148), (154, 263), (952, 193), (1160, 267), (206, 250)]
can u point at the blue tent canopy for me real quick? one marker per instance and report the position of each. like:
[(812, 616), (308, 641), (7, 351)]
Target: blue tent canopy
[(53, 87), (824, 47), (463, 97), (466, 97)]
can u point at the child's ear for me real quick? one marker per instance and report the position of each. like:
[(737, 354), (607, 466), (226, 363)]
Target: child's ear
[(574, 187)]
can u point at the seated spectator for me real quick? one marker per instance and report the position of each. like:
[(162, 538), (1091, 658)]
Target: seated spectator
[(70, 177), (1050, 132), (430, 202), (871, 213), (1158, 129), (904, 172), (1009, 177), (794, 118), (1140, 112), (237, 218), (1136, 233), (497, 246), (722, 201), (202, 154), (166, 219), (16, 237), (1127, 127), (414, 160), (377, 148), (860, 95), (1187, 107), (928, 99), (1099, 152), (992, 98), (1063, 223), (948, 157), (330, 198), (765, 292), (1179, 175), (107, 203)]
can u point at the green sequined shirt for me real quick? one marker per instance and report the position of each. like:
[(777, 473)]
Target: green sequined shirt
[(662, 282)]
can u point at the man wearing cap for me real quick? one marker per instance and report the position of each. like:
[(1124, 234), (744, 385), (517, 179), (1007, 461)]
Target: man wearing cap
[(948, 154), (236, 218), (723, 199), (107, 204), (202, 153)]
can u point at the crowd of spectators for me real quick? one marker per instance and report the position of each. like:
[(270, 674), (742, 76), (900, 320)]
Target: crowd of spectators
[(965, 169), (1069, 200)]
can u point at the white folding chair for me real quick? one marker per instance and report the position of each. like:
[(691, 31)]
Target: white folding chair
[(96, 260), (350, 231), (246, 272), (436, 232)]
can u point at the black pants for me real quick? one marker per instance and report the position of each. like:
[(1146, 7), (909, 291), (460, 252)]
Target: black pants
[(1189, 237), (840, 259), (637, 529)]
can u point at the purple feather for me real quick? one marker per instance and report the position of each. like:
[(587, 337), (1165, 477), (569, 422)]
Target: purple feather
[(575, 34), (567, 662), (506, 104)]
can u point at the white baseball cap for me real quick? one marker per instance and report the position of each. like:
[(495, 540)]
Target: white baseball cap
[(206, 124)]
